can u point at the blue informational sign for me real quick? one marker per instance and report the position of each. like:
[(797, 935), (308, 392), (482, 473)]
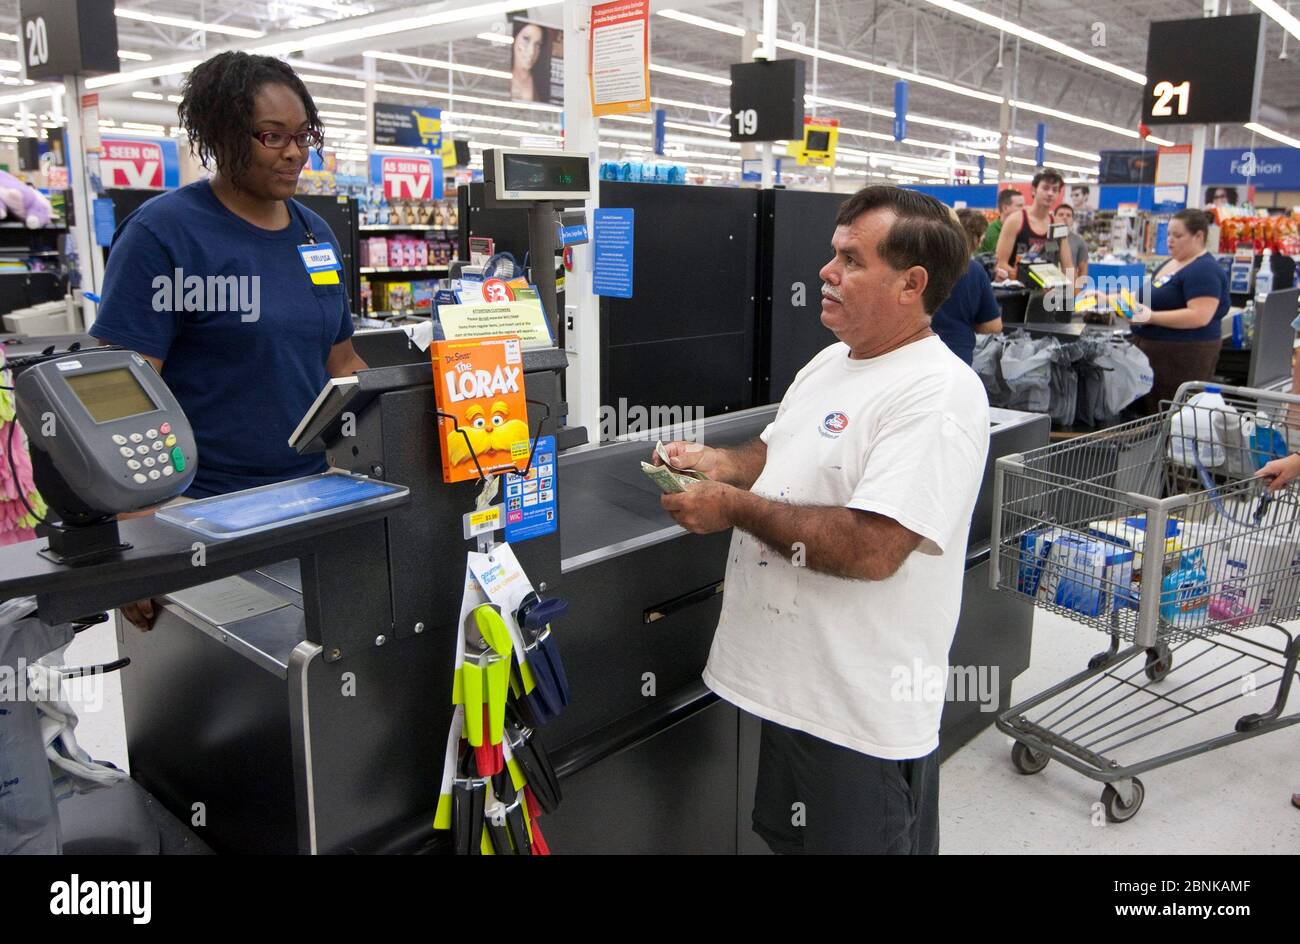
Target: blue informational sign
[(975, 196), (1274, 168), (572, 235), (1040, 150), (751, 170), (407, 126), (1162, 238), (105, 221), (900, 110), (612, 267), (531, 510), (660, 127)]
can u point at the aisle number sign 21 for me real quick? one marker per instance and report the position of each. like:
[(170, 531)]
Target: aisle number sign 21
[(1164, 92)]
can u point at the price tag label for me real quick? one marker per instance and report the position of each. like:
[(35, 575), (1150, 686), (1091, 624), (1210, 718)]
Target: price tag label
[(481, 522)]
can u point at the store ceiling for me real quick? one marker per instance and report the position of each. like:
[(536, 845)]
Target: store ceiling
[(910, 35)]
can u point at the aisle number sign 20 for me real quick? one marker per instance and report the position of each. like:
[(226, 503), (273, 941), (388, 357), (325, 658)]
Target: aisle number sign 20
[(38, 41)]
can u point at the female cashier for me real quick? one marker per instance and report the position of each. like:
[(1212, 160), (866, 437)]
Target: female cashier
[(231, 288), (1179, 333)]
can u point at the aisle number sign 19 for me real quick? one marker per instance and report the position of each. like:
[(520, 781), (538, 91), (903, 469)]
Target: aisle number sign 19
[(767, 100)]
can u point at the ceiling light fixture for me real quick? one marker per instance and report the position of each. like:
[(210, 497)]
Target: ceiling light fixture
[(1038, 39), (435, 63), (1275, 135), (185, 23)]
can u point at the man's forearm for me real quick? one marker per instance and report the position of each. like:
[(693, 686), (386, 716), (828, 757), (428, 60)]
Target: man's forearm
[(742, 465), (841, 542)]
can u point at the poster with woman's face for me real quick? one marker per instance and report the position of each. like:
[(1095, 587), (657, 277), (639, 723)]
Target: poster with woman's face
[(537, 64)]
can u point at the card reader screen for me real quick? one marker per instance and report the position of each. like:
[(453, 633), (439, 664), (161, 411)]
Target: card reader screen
[(110, 394)]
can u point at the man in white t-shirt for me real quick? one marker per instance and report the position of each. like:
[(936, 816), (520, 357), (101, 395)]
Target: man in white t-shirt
[(851, 513)]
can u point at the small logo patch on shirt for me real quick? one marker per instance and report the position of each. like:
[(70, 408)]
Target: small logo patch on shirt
[(835, 423)]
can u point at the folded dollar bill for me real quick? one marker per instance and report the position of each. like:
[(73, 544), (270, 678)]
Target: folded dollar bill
[(670, 479)]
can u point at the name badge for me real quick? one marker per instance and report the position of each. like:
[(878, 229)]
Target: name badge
[(321, 263), (1162, 281)]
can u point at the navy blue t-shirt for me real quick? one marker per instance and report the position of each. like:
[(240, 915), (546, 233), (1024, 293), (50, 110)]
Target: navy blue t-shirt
[(1200, 278), (242, 331), (970, 303)]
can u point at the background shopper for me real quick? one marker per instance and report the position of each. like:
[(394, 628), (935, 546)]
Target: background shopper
[(1008, 202), (970, 308)]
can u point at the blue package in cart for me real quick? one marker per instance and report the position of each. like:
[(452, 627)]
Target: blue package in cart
[(1089, 576), (1034, 548)]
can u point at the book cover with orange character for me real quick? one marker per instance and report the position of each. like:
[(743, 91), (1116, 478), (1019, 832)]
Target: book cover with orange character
[(480, 382)]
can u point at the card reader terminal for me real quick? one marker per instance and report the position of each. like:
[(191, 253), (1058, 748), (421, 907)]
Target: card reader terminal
[(107, 435)]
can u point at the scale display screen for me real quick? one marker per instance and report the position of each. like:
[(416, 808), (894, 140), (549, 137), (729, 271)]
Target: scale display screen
[(110, 394), (546, 173)]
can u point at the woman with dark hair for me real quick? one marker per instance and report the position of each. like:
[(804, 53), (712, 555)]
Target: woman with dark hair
[(1179, 333), (530, 64), (970, 307), (230, 287)]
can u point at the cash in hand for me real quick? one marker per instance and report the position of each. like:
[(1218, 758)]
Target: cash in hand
[(669, 479)]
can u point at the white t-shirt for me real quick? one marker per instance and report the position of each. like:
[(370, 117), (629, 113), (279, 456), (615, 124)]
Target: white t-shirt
[(904, 435)]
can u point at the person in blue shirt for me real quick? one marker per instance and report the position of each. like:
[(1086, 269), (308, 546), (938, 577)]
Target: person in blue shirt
[(230, 287), (971, 308), (1179, 331)]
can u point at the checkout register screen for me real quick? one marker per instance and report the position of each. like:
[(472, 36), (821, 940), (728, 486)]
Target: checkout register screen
[(110, 394)]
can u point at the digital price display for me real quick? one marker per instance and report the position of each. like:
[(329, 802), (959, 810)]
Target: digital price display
[(537, 175)]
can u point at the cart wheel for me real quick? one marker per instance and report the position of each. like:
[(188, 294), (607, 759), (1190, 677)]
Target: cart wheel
[(1116, 811), (1160, 661), (1027, 760)]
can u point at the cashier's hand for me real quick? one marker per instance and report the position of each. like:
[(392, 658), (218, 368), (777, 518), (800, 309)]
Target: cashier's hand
[(1280, 472), (1141, 314), (703, 508), (1000, 274), (141, 614)]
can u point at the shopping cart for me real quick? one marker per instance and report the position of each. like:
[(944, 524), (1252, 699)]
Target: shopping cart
[(1158, 533), (429, 129)]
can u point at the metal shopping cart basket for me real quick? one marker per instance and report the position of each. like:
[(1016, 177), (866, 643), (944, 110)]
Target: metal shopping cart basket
[(1158, 533)]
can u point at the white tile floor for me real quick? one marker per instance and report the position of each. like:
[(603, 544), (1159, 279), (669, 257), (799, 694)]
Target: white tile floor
[(1235, 800)]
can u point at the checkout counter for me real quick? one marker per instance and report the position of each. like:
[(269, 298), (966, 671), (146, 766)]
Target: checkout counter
[(214, 696), (298, 685)]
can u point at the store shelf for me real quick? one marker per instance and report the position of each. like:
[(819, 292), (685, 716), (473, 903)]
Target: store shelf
[(377, 228), (39, 229), (378, 270)]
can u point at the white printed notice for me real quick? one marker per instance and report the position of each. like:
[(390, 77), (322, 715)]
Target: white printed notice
[(619, 60)]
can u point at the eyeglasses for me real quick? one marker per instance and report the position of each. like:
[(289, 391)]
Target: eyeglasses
[(279, 140)]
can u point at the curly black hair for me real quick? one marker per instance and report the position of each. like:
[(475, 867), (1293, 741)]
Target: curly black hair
[(216, 108)]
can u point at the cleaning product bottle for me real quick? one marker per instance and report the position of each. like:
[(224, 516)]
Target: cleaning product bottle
[(1264, 277), (1184, 593)]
